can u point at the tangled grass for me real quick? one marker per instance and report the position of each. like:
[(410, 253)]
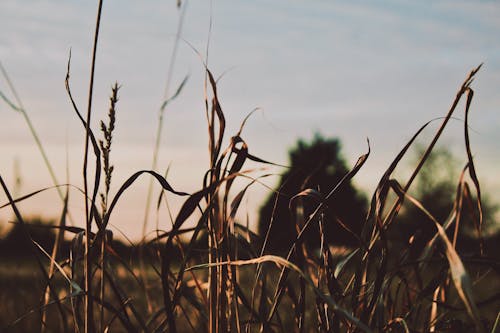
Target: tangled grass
[(232, 283)]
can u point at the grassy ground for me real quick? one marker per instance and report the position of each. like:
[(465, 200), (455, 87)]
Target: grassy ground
[(21, 288)]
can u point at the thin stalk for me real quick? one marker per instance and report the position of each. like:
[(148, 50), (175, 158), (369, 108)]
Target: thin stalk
[(88, 213), (105, 146), (156, 151), (213, 296), (20, 108), (52, 269), (60, 232), (161, 112), (102, 259)]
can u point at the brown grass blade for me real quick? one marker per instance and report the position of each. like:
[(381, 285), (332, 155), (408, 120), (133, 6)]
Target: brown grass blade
[(472, 169), (460, 276), (162, 181)]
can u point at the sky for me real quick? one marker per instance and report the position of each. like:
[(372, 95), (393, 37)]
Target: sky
[(352, 70)]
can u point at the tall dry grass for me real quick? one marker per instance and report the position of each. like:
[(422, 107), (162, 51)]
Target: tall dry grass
[(222, 279)]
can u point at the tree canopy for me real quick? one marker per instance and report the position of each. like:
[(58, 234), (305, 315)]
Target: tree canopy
[(317, 165), (436, 189)]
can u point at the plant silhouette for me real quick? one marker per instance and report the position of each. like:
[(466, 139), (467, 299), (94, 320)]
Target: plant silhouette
[(317, 165)]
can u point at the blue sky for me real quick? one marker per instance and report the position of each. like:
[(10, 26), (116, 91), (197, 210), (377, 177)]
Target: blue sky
[(354, 70)]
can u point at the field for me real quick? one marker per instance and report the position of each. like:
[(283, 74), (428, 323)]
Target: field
[(219, 276)]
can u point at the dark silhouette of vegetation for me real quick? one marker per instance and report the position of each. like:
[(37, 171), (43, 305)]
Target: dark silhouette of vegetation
[(16, 242), (317, 165), (436, 189)]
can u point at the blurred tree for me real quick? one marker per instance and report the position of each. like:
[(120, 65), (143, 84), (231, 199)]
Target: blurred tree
[(437, 181), (17, 243), (436, 189), (318, 165)]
